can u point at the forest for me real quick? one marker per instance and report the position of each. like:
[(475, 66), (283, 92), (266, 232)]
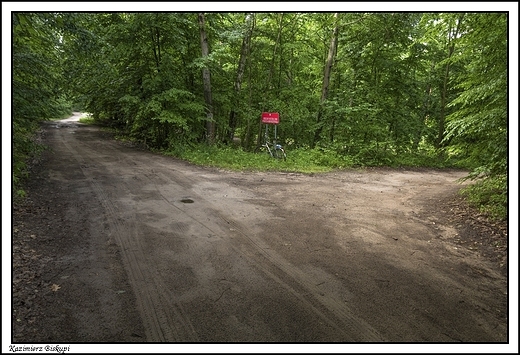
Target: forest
[(352, 89)]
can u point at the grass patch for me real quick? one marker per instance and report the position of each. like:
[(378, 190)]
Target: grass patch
[(239, 160), (304, 160), (87, 120)]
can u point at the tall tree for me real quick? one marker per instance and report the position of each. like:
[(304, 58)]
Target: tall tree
[(244, 49), (206, 77), (454, 24), (329, 62)]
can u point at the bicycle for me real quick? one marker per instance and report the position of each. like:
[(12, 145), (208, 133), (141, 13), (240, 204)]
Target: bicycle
[(274, 149)]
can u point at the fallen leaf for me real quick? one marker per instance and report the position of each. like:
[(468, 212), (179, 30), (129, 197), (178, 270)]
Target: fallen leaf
[(55, 287)]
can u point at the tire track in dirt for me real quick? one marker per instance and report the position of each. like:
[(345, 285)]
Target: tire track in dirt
[(300, 285), (162, 324), (333, 311), (215, 252)]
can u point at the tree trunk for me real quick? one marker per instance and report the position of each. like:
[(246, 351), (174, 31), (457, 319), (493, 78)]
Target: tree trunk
[(424, 111), (326, 79), (444, 90), (154, 47), (206, 78), (156, 42), (240, 73), (444, 94), (275, 50)]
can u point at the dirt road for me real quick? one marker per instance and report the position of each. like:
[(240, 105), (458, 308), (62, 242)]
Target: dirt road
[(131, 246)]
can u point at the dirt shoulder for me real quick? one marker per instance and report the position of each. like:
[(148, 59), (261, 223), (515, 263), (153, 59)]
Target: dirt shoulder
[(119, 245)]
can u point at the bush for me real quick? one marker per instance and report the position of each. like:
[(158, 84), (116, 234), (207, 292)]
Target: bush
[(490, 196), (24, 149)]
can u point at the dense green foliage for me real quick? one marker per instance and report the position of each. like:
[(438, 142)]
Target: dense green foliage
[(38, 89), (352, 89), (477, 127)]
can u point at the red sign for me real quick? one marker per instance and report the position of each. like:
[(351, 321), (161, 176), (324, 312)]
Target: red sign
[(270, 117)]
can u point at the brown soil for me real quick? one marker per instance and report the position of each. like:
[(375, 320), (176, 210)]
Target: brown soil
[(115, 244)]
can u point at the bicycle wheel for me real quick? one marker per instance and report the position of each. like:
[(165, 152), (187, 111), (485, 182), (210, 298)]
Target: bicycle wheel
[(279, 153), (263, 149)]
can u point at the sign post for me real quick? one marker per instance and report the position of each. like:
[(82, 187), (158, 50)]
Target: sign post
[(271, 118)]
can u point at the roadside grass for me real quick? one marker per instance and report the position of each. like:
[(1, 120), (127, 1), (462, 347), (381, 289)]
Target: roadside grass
[(489, 196), (87, 120), (304, 160), (239, 160)]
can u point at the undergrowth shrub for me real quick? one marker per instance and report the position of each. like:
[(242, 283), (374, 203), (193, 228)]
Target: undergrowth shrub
[(490, 196)]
